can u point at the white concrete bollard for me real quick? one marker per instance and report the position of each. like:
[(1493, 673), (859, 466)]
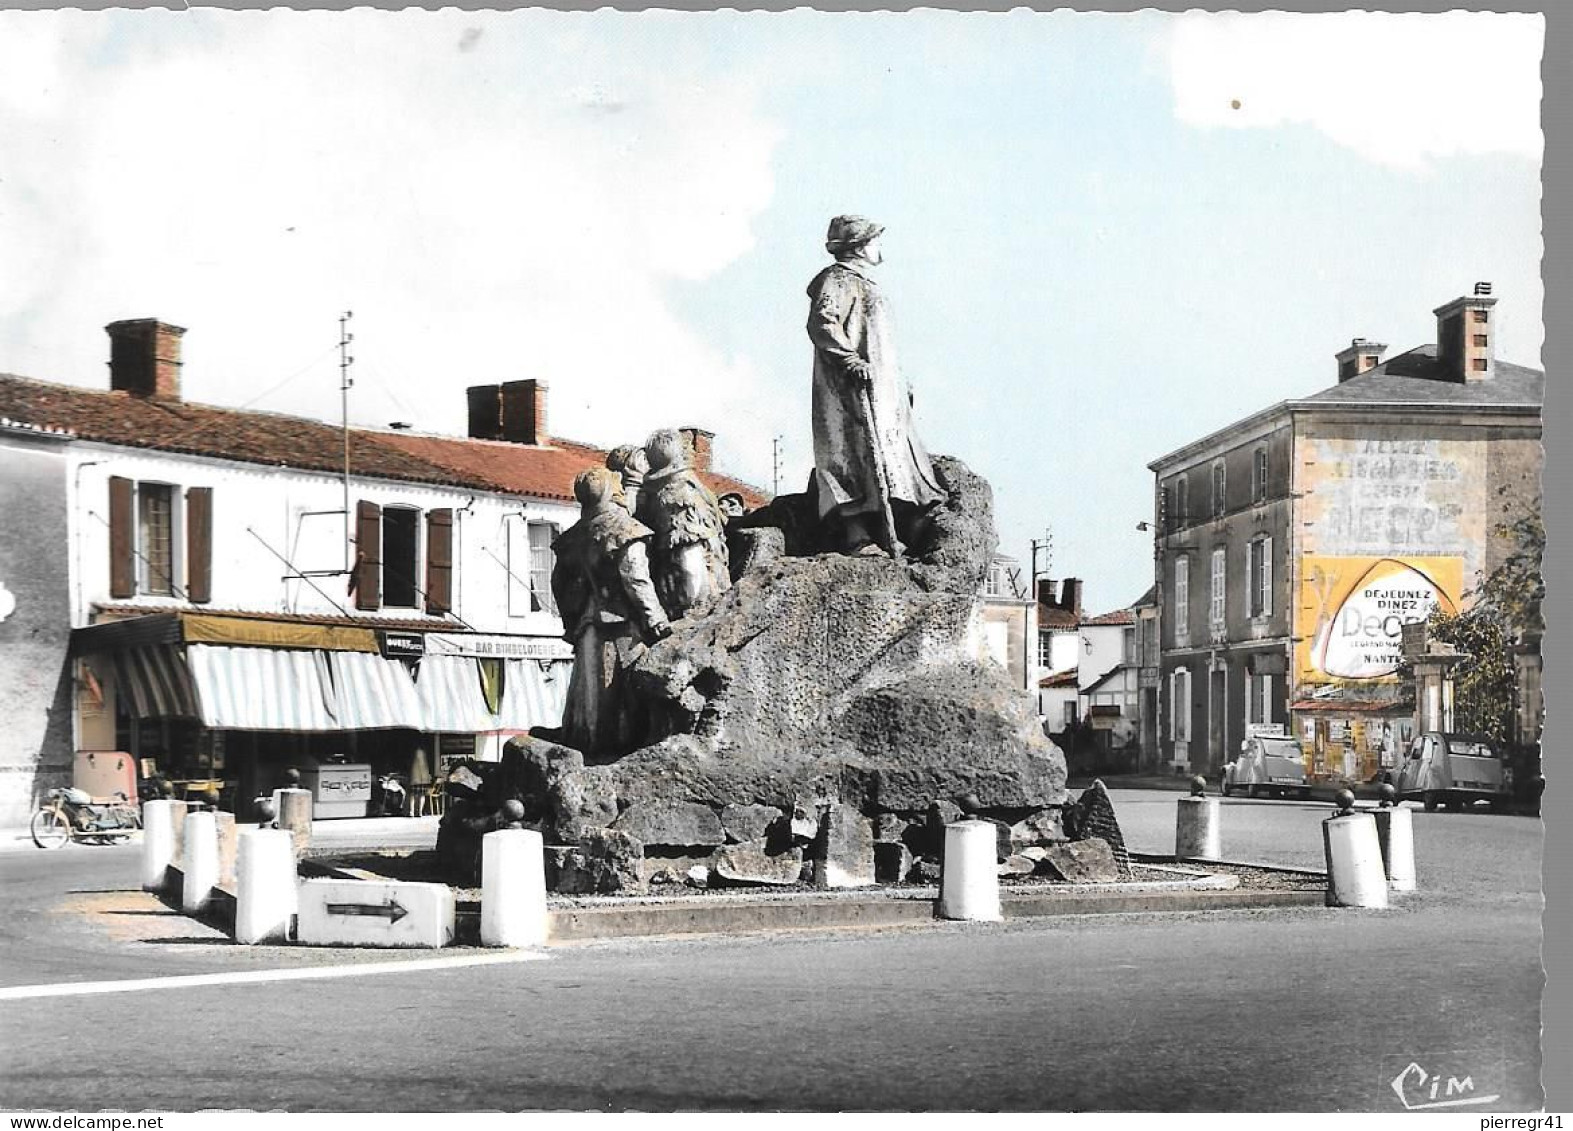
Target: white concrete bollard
[(1395, 830), (293, 812), (265, 886), (159, 842), (969, 884), (1354, 862), (1196, 829), (200, 862), (513, 888)]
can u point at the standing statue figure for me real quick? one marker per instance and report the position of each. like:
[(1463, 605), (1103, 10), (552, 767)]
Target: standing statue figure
[(871, 472), (631, 465), (609, 607), (688, 553)]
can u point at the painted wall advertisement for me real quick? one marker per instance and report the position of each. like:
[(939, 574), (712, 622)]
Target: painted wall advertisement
[(1352, 609)]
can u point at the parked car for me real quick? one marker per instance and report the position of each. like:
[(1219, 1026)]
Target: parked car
[(1267, 764), (1454, 769)]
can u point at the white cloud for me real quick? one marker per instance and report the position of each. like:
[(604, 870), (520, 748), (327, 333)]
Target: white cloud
[(492, 197), (1396, 88)]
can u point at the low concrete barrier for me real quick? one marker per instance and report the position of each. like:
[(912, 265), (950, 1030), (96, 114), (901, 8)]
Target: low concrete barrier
[(265, 886), (513, 888), (969, 881), (372, 913), (1354, 861), (199, 864), (1197, 829), (293, 808), (1395, 832), (160, 841)]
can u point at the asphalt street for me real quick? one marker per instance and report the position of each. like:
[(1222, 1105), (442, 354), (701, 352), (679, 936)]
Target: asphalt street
[(1292, 1009)]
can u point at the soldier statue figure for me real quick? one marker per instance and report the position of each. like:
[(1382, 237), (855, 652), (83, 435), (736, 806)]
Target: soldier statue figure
[(610, 610), (688, 552)]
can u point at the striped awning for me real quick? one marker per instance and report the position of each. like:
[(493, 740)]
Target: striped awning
[(451, 698), (154, 683), (262, 688), (373, 693), (534, 694)]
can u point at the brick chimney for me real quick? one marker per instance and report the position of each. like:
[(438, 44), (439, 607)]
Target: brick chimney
[(144, 358), (524, 412), (515, 411), (1046, 592), (485, 412), (1466, 336), (699, 443), (1358, 358), (1070, 596)]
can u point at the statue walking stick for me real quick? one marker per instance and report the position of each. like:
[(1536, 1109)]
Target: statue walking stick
[(881, 475)]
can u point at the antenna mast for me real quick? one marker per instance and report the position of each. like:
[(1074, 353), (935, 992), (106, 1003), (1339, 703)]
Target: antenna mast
[(346, 383), (775, 465)]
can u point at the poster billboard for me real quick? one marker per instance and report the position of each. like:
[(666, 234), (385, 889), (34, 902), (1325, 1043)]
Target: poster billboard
[(1349, 623)]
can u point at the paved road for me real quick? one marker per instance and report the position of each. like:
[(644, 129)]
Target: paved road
[(1276, 1010)]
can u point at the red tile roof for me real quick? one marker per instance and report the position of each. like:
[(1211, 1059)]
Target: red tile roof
[(1059, 679), (1052, 616), (275, 440), (1118, 616)]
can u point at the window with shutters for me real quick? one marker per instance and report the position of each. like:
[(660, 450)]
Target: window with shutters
[(1261, 576), (1220, 501), (160, 540), (1259, 475), (1182, 601), (1046, 650), (1182, 503), (1180, 705), (542, 535), (1217, 590), (400, 551)]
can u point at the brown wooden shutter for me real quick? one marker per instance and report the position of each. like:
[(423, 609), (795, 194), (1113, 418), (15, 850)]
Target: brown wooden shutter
[(199, 545), (367, 579), (122, 538), (439, 561)]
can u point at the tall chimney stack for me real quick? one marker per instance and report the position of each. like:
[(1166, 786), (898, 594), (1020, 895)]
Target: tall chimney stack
[(1466, 336), (1359, 357), (1045, 592), (485, 412), (699, 444), (524, 412), (144, 358)]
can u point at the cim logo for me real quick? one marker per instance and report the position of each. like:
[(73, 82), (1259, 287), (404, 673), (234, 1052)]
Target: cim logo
[(1418, 1089)]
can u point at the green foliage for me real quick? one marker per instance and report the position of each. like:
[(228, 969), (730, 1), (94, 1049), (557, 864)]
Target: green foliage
[(1506, 614)]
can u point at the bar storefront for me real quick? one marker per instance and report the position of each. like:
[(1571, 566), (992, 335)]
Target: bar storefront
[(233, 702)]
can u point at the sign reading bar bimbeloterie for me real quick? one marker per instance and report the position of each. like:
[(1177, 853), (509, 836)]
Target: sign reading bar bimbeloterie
[(497, 647)]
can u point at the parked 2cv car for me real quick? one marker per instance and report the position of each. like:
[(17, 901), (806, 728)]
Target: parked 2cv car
[(1454, 769), (1267, 763)]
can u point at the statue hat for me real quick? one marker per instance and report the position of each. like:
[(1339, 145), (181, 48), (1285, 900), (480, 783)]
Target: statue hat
[(849, 232)]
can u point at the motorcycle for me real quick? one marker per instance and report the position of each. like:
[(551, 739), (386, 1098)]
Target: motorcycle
[(71, 814), (390, 798)]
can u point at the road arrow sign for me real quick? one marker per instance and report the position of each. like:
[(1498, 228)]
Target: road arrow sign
[(393, 910)]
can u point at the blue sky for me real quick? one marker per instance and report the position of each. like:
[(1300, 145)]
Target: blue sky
[(1094, 255)]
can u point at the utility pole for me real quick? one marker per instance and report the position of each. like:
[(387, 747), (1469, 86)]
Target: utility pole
[(775, 465), (346, 382), (1046, 545)]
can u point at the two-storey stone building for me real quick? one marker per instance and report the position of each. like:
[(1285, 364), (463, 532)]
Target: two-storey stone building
[(1291, 545)]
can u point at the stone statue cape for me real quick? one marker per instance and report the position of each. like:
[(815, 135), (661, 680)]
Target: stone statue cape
[(849, 320)]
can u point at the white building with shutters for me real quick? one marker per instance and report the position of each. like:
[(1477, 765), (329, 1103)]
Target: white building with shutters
[(236, 604)]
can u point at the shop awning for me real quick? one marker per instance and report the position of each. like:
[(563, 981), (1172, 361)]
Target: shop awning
[(157, 682), (262, 688), (372, 693), (534, 694), (450, 694)]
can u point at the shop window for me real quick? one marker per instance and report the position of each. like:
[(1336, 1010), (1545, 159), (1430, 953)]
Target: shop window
[(160, 540)]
